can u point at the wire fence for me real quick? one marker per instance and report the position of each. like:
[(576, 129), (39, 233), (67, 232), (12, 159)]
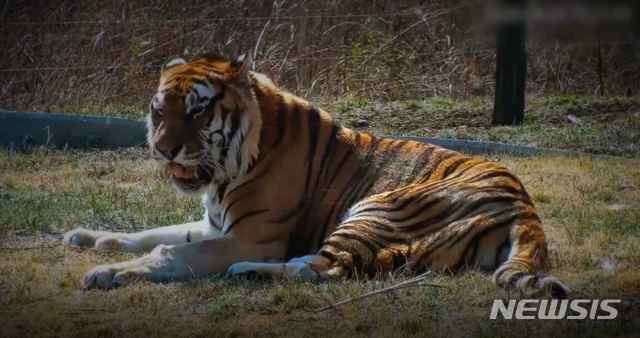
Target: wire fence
[(157, 66), (209, 20)]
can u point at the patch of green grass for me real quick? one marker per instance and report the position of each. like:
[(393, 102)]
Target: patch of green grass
[(89, 190), (624, 223), (541, 197), (615, 139), (411, 105), (572, 100), (483, 102)]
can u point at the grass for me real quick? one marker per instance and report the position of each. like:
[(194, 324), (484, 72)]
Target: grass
[(103, 189), (590, 207)]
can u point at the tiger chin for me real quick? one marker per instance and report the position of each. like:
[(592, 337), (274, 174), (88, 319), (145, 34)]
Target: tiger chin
[(288, 191)]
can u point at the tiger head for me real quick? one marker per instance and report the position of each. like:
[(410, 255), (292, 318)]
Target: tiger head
[(204, 121)]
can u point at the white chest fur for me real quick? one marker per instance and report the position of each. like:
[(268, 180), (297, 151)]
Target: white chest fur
[(212, 211)]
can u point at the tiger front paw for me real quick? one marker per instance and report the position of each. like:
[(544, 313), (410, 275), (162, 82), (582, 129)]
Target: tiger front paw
[(111, 276), (80, 238), (157, 266), (99, 240)]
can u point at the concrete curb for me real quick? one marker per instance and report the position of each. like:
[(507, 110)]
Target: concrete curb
[(483, 147), (21, 131)]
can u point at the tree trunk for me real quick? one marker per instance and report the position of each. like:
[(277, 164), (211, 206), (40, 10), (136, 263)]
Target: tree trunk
[(511, 66)]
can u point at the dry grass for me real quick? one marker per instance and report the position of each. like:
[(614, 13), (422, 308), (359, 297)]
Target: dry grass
[(591, 208)]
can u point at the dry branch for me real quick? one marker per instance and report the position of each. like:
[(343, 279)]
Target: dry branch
[(404, 284)]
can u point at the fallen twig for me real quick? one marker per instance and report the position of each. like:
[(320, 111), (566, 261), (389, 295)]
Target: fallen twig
[(398, 286)]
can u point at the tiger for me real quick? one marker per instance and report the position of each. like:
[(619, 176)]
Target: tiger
[(288, 191)]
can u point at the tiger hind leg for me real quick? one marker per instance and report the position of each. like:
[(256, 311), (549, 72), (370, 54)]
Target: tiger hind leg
[(527, 257), (501, 236)]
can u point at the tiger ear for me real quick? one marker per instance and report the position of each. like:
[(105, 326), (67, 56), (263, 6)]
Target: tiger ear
[(243, 64), (172, 63)]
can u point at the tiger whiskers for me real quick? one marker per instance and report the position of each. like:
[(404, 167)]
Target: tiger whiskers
[(211, 163), (210, 166)]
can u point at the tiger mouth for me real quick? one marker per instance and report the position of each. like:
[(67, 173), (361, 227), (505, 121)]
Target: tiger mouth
[(189, 177)]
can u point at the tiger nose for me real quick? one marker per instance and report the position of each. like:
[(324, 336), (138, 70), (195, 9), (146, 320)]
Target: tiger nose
[(169, 153)]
